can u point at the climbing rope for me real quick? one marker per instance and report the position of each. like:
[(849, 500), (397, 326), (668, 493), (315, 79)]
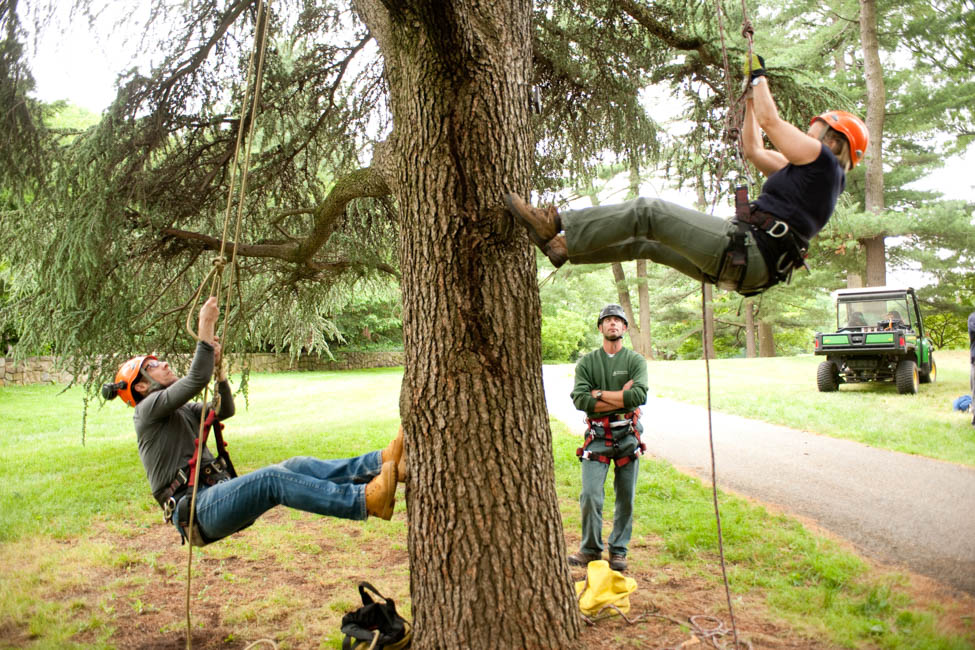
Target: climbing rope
[(215, 275), (714, 476), (734, 118), (736, 112)]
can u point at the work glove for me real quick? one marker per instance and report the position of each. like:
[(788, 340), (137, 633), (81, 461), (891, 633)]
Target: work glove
[(757, 67)]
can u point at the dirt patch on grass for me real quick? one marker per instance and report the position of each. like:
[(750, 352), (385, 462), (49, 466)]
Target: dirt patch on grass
[(292, 576)]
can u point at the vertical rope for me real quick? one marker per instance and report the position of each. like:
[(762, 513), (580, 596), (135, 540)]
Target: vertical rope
[(714, 473), (734, 119), (215, 275)]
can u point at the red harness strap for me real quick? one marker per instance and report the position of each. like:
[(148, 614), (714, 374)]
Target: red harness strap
[(604, 422), (216, 425)]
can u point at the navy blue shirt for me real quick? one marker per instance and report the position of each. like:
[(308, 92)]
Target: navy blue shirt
[(804, 196)]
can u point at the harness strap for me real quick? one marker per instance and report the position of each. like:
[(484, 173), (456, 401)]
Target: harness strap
[(211, 423), (584, 454), (174, 499), (787, 249)]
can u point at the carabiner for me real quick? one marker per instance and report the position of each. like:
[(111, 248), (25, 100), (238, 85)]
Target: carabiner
[(778, 229)]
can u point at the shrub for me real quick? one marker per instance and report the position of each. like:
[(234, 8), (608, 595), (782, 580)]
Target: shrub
[(565, 336)]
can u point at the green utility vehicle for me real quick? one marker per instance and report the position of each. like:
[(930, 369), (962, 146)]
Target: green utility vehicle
[(879, 337)]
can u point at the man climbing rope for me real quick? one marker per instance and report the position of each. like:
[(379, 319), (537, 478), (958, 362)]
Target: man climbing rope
[(756, 250), (167, 424), (610, 386)]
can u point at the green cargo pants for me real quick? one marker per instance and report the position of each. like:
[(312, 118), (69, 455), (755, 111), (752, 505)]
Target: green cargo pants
[(687, 240), (593, 494)]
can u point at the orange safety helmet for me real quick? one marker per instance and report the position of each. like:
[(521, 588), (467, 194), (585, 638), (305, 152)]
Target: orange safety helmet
[(852, 127), (127, 375)]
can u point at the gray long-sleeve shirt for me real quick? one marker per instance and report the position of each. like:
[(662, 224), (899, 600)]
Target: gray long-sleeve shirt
[(166, 424)]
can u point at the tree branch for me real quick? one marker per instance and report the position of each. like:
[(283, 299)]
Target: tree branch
[(362, 183)]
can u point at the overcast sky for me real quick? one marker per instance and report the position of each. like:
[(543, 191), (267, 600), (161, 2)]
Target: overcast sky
[(82, 66)]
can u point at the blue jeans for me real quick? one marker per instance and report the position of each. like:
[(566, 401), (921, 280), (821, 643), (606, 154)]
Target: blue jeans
[(326, 487), (591, 500)]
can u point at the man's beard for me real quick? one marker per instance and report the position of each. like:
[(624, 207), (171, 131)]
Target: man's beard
[(612, 337)]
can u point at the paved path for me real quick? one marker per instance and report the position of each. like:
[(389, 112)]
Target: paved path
[(900, 509)]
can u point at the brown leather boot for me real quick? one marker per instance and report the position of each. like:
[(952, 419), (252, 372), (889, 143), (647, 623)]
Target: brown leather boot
[(395, 451), (617, 562), (542, 223), (582, 559), (556, 251), (381, 493)]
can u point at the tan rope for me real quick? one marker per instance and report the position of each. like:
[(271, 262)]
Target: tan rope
[(215, 274), (734, 119)]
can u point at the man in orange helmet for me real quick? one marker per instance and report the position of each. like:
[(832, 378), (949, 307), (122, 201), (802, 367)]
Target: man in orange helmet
[(167, 424), (768, 237)]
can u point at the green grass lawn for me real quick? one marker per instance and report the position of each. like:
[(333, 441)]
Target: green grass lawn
[(59, 497), (783, 391)]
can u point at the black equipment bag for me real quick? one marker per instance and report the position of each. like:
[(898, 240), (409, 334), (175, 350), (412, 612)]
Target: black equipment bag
[(375, 624)]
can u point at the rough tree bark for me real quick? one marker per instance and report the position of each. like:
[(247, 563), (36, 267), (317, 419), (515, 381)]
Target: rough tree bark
[(766, 339), (749, 328), (644, 293), (487, 552), (874, 247)]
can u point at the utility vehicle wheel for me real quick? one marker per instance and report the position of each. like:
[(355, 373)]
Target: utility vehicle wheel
[(827, 379), (906, 377), (930, 376)]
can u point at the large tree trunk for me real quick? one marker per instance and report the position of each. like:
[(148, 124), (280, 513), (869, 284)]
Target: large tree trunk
[(874, 247), (487, 552)]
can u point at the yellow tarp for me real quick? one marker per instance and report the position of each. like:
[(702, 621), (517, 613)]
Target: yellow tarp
[(603, 587)]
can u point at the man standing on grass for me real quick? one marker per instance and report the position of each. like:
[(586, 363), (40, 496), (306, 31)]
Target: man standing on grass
[(610, 386), (167, 424)]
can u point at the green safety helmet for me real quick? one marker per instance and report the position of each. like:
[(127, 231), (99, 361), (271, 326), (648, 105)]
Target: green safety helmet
[(612, 310)]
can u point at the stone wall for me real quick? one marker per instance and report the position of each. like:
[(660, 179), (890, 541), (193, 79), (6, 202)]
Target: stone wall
[(344, 360), (35, 370), (42, 370)]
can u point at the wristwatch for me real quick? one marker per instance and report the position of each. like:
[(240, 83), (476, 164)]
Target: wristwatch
[(599, 394)]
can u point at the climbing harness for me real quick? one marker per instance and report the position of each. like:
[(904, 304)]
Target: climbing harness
[(174, 499), (629, 421), (783, 249)]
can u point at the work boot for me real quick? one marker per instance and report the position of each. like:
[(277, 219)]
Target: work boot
[(395, 451), (542, 224), (381, 492), (556, 251), (582, 559), (617, 562)]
